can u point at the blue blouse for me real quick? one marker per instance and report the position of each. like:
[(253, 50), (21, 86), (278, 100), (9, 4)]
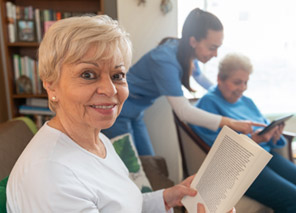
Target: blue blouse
[(243, 109)]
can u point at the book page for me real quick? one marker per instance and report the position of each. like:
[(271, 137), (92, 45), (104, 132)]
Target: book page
[(227, 172)]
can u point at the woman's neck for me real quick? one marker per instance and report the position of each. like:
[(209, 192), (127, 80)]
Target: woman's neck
[(85, 137)]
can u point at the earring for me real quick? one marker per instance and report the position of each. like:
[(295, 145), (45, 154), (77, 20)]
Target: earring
[(53, 98)]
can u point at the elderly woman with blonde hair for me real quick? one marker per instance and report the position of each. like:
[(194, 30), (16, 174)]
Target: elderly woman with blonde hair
[(275, 187), (69, 165)]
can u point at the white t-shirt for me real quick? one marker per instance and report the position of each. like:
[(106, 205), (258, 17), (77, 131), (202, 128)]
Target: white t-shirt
[(54, 174)]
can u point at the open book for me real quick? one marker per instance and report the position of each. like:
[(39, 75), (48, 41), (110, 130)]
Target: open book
[(231, 166)]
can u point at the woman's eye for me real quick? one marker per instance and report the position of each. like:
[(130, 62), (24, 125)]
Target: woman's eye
[(213, 48), (88, 75), (118, 77), (238, 83)]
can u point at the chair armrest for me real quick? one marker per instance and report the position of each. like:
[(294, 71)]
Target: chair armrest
[(289, 137), (287, 151), (156, 171)]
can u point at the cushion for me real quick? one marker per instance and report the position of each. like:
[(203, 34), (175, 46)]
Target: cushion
[(3, 184), (126, 150), (32, 126)]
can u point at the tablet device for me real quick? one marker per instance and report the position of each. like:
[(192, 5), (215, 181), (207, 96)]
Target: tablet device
[(274, 123)]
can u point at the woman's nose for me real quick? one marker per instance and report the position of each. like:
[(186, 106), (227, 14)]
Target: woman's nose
[(243, 87), (106, 87), (215, 53)]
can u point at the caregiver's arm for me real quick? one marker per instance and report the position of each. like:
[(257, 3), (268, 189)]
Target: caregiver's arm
[(189, 113)]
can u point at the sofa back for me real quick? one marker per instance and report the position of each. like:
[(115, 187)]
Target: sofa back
[(14, 137)]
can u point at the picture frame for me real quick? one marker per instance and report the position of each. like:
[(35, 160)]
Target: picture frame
[(26, 30)]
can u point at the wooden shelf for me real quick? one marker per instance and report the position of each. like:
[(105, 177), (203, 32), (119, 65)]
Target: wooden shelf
[(19, 96), (23, 44)]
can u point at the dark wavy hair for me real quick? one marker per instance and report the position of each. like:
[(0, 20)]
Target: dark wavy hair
[(197, 24)]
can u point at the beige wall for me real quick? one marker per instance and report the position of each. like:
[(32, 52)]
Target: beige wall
[(147, 26), (146, 23)]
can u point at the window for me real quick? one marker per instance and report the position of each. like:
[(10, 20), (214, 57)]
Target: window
[(263, 30)]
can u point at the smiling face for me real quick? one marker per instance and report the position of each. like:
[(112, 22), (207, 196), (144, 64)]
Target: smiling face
[(91, 93), (207, 48), (233, 87)]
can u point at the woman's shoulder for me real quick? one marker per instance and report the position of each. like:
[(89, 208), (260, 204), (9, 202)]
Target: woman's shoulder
[(211, 94), (165, 51), (211, 99), (248, 100)]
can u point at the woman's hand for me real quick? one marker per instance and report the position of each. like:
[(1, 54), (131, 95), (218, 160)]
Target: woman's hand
[(274, 134), (201, 209), (240, 126), (172, 196), (278, 133), (265, 137)]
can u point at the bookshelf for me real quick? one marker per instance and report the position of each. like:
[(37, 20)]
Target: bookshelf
[(20, 51)]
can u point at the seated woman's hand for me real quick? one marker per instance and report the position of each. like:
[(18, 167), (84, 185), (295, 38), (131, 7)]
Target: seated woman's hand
[(274, 134), (278, 132), (244, 127), (172, 196)]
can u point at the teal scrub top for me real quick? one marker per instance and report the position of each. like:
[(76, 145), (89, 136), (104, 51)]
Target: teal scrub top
[(156, 74)]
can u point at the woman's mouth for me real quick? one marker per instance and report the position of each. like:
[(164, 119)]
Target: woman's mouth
[(103, 106), (105, 109)]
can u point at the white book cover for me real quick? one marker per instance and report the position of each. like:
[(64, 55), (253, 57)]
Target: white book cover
[(10, 10), (16, 66)]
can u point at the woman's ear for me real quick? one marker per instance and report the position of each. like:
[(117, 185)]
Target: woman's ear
[(192, 42), (50, 90), (218, 79)]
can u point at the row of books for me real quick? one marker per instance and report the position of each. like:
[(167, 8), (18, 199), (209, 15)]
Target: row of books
[(37, 109), (29, 24), (28, 67), (39, 120)]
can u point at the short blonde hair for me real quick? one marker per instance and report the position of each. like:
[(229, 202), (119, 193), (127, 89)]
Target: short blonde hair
[(233, 62), (68, 40)]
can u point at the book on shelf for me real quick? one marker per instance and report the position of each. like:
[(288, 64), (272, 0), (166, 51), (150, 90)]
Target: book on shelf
[(11, 17), (16, 66), (38, 25), (35, 110), (232, 164), (41, 119), (47, 25), (39, 102)]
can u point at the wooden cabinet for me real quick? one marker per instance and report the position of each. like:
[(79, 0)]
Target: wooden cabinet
[(29, 48)]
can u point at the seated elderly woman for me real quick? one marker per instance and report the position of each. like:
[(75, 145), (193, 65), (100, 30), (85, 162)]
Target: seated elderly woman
[(276, 185), (69, 166)]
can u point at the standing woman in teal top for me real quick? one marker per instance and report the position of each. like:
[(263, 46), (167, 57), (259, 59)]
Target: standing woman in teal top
[(163, 71)]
